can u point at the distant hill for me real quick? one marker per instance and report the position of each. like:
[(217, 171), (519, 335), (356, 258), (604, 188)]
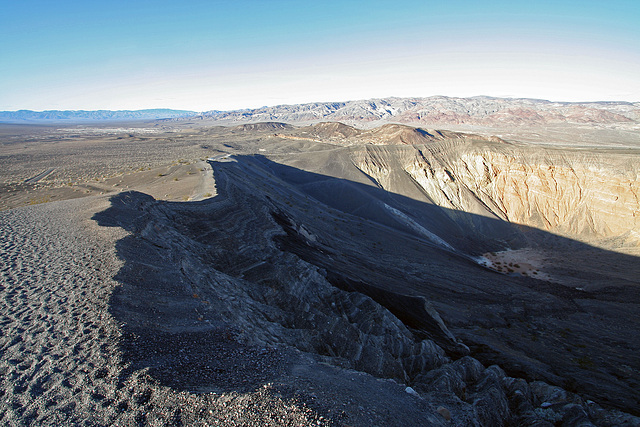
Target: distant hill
[(29, 116), (479, 110)]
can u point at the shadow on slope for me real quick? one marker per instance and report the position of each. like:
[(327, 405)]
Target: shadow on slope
[(163, 317), (211, 289)]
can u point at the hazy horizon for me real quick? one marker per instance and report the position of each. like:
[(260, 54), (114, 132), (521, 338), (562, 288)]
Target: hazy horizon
[(249, 54), (331, 101)]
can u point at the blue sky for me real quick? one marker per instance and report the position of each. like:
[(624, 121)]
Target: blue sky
[(204, 55)]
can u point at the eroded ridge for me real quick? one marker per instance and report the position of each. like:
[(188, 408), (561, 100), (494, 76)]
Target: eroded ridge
[(255, 261)]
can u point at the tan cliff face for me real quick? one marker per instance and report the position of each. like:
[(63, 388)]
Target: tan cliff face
[(567, 195), (590, 197)]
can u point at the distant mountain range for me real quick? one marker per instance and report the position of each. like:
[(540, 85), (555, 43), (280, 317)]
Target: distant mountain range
[(479, 110), (22, 116)]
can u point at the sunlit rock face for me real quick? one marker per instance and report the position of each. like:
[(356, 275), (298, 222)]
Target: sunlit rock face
[(568, 193), (589, 196)]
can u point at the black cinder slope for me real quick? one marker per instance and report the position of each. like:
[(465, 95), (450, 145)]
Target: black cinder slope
[(336, 268)]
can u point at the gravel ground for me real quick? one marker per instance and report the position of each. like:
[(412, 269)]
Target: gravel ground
[(60, 361)]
